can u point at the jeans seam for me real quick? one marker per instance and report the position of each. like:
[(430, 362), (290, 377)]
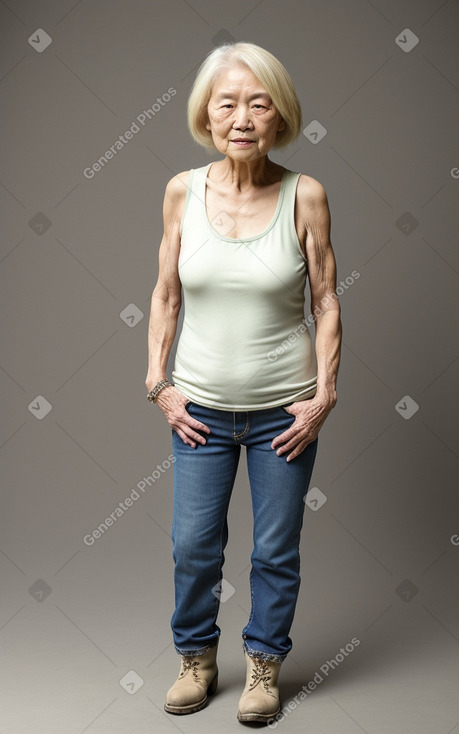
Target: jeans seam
[(247, 426), (220, 572), (220, 554), (252, 605)]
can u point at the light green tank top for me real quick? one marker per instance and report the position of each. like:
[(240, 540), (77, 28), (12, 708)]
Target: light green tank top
[(243, 344)]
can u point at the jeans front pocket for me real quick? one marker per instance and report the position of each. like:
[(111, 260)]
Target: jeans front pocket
[(283, 407)]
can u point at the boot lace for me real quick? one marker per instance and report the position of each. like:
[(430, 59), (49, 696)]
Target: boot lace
[(188, 665), (260, 674)]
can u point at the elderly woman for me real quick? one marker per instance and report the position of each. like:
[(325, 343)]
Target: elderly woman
[(241, 236)]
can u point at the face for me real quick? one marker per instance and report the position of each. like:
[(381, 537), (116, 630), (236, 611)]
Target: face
[(241, 108)]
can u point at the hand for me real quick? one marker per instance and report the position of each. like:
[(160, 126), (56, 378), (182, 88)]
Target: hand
[(172, 403), (310, 417)]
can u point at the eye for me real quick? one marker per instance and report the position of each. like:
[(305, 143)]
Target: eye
[(260, 106)]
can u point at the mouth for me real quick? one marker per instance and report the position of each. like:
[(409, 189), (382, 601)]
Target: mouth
[(243, 142)]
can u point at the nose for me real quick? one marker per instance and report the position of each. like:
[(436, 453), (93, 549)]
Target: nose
[(242, 119)]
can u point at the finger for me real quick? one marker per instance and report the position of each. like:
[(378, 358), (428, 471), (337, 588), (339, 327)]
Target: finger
[(286, 447), (193, 423), (185, 438), (189, 429), (290, 445), (282, 437), (293, 455), (299, 449), (195, 436), (190, 437)]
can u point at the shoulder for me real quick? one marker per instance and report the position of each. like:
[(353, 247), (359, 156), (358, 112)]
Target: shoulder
[(312, 214), (312, 205), (174, 197), (310, 193), (177, 185)]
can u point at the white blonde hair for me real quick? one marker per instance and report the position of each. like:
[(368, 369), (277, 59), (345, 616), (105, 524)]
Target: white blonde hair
[(266, 67)]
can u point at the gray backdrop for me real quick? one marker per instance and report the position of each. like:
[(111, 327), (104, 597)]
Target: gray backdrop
[(84, 620)]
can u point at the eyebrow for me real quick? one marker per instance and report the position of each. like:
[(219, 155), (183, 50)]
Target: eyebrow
[(223, 95)]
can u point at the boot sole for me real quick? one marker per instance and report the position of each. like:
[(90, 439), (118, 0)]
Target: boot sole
[(193, 707), (253, 716)]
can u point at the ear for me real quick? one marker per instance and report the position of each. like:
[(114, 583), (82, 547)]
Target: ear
[(281, 125)]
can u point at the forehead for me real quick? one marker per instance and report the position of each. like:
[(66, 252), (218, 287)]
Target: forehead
[(237, 78)]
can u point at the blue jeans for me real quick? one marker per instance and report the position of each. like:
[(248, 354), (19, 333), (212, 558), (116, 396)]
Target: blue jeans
[(203, 481)]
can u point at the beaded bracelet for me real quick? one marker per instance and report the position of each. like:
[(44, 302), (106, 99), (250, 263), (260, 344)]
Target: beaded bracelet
[(153, 394)]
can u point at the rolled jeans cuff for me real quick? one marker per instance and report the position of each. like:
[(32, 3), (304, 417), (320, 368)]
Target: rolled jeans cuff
[(263, 655), (197, 651)]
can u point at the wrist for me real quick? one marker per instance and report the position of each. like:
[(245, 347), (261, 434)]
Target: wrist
[(153, 378), (155, 391), (326, 395)]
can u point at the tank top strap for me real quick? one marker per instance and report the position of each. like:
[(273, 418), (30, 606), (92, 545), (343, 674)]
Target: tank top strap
[(195, 195), (291, 182), (191, 195), (292, 178)]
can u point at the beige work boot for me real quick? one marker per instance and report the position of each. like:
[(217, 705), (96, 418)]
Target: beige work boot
[(197, 679), (260, 697)]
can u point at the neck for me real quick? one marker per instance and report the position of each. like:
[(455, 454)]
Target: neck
[(242, 175)]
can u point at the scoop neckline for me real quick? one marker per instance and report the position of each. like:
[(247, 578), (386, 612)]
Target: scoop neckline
[(253, 237)]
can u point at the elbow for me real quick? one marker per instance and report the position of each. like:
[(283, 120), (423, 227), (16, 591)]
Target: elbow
[(171, 299), (328, 302), (175, 304), (174, 300)]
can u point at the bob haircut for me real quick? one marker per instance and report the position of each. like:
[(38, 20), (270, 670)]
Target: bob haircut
[(266, 67)]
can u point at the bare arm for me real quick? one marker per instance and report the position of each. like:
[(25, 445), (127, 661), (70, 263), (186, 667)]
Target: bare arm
[(310, 414), (166, 298), (166, 302), (324, 301)]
